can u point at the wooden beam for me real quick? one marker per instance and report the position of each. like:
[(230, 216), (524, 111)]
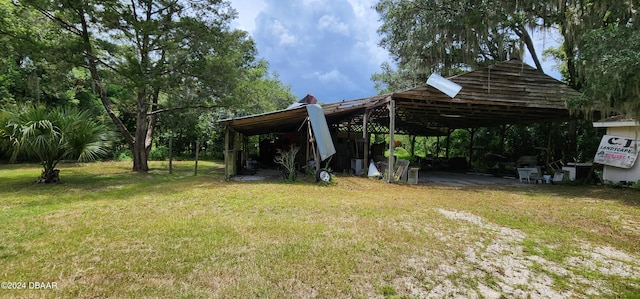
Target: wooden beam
[(314, 142), (472, 133), (365, 136), (226, 151), (448, 143), (392, 128)]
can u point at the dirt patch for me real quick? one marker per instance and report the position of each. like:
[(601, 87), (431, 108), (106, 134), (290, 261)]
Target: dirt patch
[(494, 263)]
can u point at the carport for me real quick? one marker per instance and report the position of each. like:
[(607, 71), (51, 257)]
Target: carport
[(509, 92)]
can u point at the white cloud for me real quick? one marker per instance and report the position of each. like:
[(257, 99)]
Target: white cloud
[(332, 76), (363, 8), (313, 44), (313, 3), (282, 34), (374, 53), (333, 24), (367, 22), (248, 11)]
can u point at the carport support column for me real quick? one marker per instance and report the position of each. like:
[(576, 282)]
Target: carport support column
[(472, 133), (226, 151), (365, 136), (392, 129)]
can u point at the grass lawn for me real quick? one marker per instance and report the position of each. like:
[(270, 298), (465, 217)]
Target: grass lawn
[(108, 232)]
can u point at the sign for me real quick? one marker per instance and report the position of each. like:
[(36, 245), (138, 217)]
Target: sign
[(617, 151), (321, 131)]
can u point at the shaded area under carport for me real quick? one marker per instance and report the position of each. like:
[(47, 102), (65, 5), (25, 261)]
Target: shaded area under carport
[(461, 179), (426, 178)]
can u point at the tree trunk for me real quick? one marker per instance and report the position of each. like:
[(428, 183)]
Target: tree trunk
[(152, 120), (49, 174), (572, 139), (97, 82), (568, 45), (139, 152), (413, 146), (526, 38)]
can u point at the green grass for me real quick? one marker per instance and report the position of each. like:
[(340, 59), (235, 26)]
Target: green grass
[(109, 232)]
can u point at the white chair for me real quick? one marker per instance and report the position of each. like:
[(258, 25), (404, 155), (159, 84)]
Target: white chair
[(536, 174), (524, 173)]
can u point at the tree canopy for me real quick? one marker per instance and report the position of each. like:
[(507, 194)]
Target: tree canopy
[(137, 59), (598, 48), (446, 36), (609, 68)]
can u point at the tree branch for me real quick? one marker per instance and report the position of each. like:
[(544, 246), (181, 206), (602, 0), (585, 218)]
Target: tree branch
[(65, 25), (522, 32), (106, 102), (184, 108)]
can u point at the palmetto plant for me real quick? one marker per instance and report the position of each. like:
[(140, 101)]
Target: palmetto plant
[(52, 135)]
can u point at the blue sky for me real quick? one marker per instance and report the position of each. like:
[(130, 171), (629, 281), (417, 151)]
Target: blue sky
[(328, 48)]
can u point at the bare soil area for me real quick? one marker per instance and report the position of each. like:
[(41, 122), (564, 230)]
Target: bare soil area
[(495, 264)]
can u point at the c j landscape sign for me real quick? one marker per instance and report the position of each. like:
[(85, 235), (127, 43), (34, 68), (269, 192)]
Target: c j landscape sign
[(617, 151)]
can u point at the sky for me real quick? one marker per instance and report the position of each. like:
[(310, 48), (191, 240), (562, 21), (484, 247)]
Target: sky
[(328, 48)]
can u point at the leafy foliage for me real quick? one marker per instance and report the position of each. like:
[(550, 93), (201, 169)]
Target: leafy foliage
[(165, 55), (610, 60), (51, 135), (287, 159), (598, 53), (426, 36)]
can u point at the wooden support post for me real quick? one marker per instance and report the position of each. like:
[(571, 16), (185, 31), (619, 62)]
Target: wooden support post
[(472, 131), (548, 155), (448, 143), (245, 151), (308, 147), (350, 142), (572, 139), (226, 152), (392, 146), (413, 146), (365, 136), (195, 172), (236, 146), (312, 140), (503, 133), (170, 154)]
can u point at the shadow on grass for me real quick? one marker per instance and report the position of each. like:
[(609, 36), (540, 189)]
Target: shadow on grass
[(115, 181), (629, 197), (89, 182)]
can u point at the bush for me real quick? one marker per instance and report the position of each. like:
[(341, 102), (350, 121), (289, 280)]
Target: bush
[(399, 153), (159, 153), (123, 154)]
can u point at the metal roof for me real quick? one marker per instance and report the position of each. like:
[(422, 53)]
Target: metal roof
[(510, 92), (290, 120)]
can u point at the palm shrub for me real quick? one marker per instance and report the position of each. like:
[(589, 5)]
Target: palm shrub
[(52, 135)]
